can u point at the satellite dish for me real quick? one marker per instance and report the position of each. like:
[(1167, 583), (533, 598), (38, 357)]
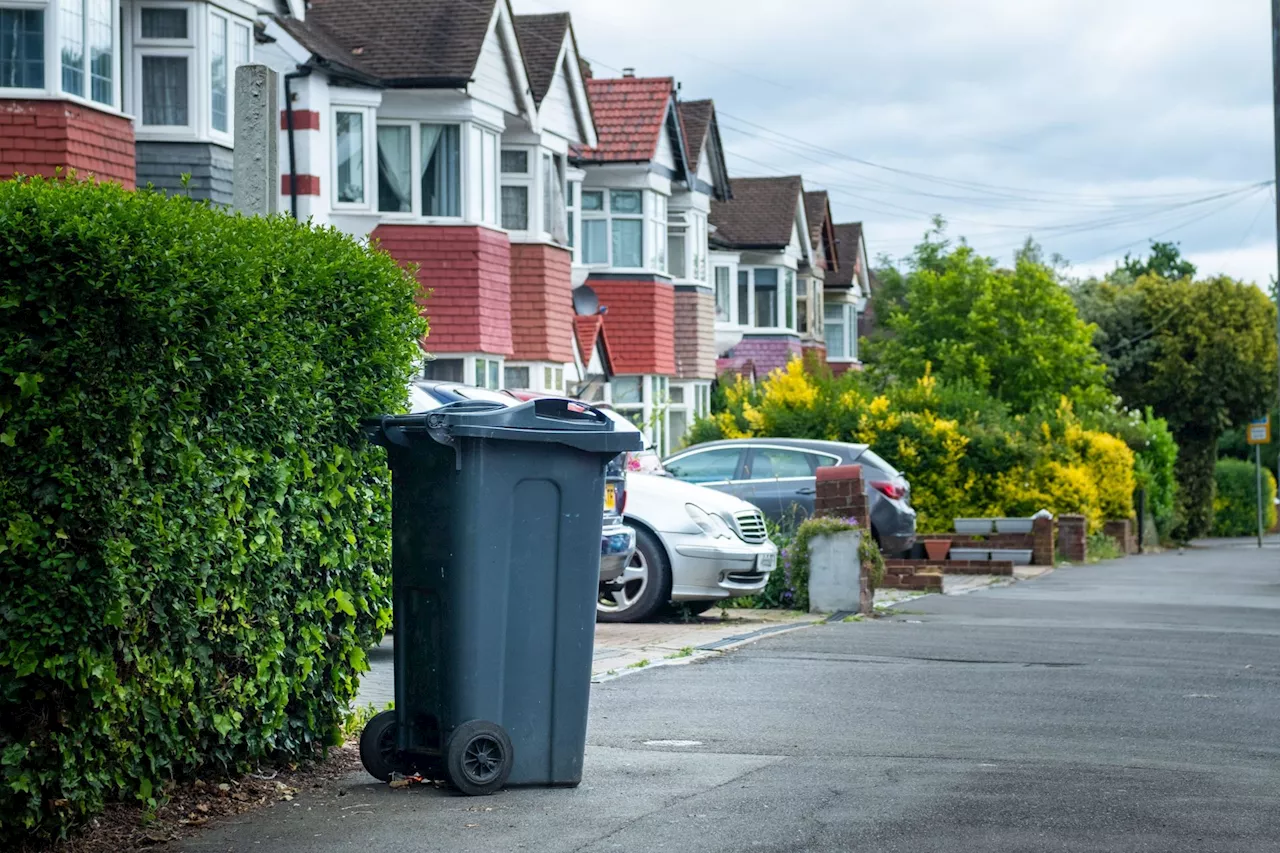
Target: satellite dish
[(585, 301)]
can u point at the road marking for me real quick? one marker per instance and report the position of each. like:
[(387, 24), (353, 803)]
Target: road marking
[(673, 743)]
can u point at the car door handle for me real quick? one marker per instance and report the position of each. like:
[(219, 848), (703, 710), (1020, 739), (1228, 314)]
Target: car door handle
[(806, 491)]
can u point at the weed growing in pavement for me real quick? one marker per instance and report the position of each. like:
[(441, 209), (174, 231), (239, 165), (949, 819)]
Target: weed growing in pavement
[(687, 651), (853, 617), (640, 664), (1102, 547), (354, 722)]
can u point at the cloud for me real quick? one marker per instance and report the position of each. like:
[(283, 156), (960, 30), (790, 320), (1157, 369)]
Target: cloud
[(1088, 111)]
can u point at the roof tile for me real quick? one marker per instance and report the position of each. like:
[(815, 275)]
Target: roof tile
[(761, 214), (848, 238), (541, 37), (629, 112)]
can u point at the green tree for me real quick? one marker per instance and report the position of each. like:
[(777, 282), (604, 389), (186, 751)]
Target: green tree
[(1165, 261), (1013, 332), (1201, 354)]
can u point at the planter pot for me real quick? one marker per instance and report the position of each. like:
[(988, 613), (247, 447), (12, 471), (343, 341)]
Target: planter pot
[(970, 554), (936, 549), (1017, 556), (974, 526), (1014, 525)]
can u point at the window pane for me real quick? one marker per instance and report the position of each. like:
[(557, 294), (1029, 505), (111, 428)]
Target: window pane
[(515, 377), (568, 224), (481, 373), (218, 71), (164, 23), (628, 243), (22, 48), (350, 131), (164, 90), (515, 209), (441, 170), (444, 370), (679, 424), (766, 297), (489, 178), (548, 382), (592, 200), (240, 47), (787, 302), (708, 466), (722, 294), (101, 52), (559, 378), (493, 376), (628, 389), (515, 162), (676, 393), (675, 250), (595, 241), (395, 172), (744, 297), (835, 331), (771, 464), (71, 26), (625, 201)]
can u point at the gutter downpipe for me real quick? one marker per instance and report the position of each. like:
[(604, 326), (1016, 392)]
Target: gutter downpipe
[(303, 71)]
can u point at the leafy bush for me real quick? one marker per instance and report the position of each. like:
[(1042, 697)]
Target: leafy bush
[(1235, 505), (963, 452), (196, 549)]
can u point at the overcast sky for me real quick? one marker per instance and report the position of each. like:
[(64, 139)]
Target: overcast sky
[(1091, 125)]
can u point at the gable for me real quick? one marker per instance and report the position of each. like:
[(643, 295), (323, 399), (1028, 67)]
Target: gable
[(559, 112), (665, 153), (705, 174), (499, 78)]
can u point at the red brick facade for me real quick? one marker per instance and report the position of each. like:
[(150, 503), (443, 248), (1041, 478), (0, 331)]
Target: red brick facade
[(38, 137), (640, 324), (467, 270), (541, 303), (695, 335), (302, 120), (307, 184), (841, 494)]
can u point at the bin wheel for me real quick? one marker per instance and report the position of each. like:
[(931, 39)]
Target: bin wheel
[(378, 747), (478, 758)]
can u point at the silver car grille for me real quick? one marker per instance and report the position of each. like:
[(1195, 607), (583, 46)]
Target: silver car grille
[(751, 526)]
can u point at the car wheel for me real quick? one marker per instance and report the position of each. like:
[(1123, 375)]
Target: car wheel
[(643, 588)]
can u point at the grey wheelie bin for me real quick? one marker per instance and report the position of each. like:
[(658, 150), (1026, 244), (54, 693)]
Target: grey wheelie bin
[(496, 518)]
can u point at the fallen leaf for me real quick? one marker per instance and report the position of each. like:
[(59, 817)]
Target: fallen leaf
[(398, 783), (203, 807)]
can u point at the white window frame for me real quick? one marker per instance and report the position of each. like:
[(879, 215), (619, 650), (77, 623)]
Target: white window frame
[(730, 282), (850, 334), (472, 175), (781, 306), (53, 10), (185, 48), (520, 179), (678, 227), (573, 217), (50, 59), (652, 408), (653, 227), (370, 141)]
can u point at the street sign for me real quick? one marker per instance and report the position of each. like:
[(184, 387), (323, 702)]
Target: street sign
[(1260, 431)]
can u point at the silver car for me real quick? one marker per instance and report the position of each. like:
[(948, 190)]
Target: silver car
[(779, 476)]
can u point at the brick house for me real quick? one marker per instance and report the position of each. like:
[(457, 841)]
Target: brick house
[(762, 239), (134, 91), (640, 217), (426, 126), (846, 292)]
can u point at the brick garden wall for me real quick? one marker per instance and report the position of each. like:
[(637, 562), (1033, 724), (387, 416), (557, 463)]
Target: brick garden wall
[(842, 495), (541, 303), (468, 271), (38, 137), (1073, 532)]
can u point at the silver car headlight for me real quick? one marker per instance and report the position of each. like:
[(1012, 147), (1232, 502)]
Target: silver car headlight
[(712, 524)]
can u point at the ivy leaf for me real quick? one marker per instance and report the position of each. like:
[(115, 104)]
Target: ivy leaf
[(343, 601), (27, 383)]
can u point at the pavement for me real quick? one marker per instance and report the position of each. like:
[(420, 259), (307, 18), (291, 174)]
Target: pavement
[(1131, 705)]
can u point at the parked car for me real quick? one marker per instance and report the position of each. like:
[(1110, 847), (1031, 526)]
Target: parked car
[(779, 476), (617, 540)]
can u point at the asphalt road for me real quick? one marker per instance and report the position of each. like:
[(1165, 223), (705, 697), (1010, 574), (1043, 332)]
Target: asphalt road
[(1129, 706)]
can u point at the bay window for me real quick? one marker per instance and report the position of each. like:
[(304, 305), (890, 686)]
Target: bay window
[(841, 321), (626, 228), (446, 171), (219, 49), (166, 46), (802, 306), (744, 297), (723, 296), (87, 41), (440, 169), (22, 48), (789, 300), (595, 228), (676, 246), (623, 228), (395, 168), (350, 162), (553, 203), (659, 230), (766, 297), (516, 181)]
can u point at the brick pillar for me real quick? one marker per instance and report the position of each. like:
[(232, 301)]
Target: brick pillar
[(1042, 542), (1121, 530), (841, 494), (1073, 533)]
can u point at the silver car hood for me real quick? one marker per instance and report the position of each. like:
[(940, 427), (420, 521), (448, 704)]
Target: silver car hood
[(652, 495)]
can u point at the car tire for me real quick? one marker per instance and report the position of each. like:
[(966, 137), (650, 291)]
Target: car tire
[(643, 589)]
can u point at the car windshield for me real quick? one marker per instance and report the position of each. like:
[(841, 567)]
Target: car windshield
[(472, 393)]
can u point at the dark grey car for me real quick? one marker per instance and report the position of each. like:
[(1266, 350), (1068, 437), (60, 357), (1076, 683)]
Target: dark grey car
[(778, 475)]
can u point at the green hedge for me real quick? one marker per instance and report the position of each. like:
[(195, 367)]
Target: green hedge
[(195, 545), (1235, 504)]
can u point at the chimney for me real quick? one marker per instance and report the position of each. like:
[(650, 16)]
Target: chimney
[(628, 72)]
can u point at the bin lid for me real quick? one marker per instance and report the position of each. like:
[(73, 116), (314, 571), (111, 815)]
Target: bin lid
[(547, 419)]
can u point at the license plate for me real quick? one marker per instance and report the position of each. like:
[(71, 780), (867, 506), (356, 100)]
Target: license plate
[(610, 497), (766, 562)]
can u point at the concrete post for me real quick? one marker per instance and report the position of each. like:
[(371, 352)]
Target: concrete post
[(256, 169), (836, 582)]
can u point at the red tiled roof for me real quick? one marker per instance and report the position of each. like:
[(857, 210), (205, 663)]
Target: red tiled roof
[(629, 112), (589, 329)]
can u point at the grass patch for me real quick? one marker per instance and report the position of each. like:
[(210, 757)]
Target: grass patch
[(686, 652), (1103, 547), (640, 664)]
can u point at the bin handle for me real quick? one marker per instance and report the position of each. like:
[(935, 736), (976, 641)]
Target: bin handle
[(560, 409), (394, 434)]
